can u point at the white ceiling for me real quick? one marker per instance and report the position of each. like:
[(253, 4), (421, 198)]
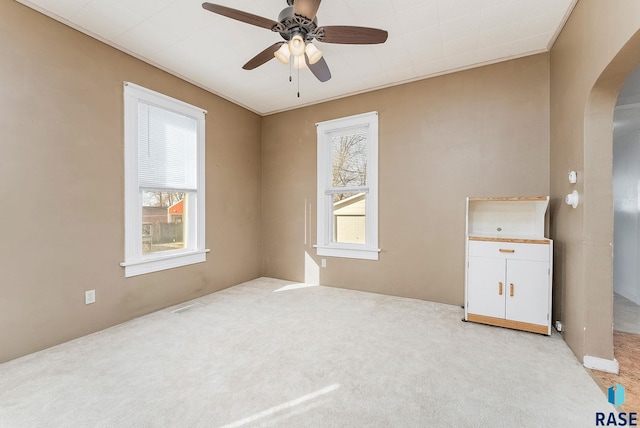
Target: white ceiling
[(426, 38)]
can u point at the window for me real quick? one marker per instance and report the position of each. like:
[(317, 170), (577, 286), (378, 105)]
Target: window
[(348, 187), (164, 182)]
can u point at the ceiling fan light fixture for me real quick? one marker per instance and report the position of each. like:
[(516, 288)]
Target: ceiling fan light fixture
[(283, 54), (299, 62), (313, 53), (296, 45), (297, 24)]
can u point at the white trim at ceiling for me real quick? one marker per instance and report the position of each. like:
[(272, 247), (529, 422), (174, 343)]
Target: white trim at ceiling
[(562, 24)]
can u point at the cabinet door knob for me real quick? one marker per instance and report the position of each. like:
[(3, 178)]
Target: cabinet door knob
[(511, 290), (500, 288), (504, 250)]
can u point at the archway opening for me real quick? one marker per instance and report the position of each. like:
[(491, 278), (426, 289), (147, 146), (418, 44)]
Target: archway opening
[(626, 207), (610, 163)]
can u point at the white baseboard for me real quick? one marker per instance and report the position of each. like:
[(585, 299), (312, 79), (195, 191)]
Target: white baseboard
[(595, 363)]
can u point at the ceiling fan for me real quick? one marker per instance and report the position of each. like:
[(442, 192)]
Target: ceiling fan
[(298, 26)]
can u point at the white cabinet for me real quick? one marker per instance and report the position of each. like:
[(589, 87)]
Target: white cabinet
[(509, 262)]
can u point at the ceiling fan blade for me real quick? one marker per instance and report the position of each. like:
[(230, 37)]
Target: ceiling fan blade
[(306, 8), (262, 57), (239, 15), (320, 69), (349, 35)]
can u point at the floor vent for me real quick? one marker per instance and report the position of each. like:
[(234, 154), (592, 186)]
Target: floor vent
[(186, 308)]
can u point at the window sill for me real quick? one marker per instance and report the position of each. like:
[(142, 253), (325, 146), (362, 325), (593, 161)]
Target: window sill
[(349, 252), (163, 262)]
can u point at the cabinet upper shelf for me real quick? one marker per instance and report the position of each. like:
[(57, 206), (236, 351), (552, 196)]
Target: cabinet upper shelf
[(514, 240), (511, 199), (507, 217)]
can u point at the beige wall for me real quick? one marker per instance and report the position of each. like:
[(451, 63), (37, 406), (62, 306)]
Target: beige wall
[(481, 132), (589, 62), (61, 186)]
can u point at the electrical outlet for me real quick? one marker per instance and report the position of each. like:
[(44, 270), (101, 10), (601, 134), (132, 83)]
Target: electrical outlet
[(89, 296), (324, 262)]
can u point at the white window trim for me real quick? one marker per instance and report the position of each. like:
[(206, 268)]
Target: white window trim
[(325, 245), (135, 262)]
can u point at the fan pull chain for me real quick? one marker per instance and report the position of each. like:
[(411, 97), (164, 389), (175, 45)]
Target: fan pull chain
[(298, 82), (290, 79)]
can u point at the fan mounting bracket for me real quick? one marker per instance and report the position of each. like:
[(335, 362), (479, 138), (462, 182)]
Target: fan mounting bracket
[(291, 24)]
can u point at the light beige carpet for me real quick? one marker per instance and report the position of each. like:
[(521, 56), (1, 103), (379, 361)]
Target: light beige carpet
[(278, 354)]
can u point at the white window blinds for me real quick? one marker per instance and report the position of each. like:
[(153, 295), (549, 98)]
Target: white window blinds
[(167, 149)]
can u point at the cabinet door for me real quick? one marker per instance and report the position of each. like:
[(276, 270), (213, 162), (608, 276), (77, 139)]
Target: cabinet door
[(527, 291), (486, 287)]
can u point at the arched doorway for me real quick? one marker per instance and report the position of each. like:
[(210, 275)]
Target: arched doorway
[(626, 207), (626, 237), (608, 154)]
